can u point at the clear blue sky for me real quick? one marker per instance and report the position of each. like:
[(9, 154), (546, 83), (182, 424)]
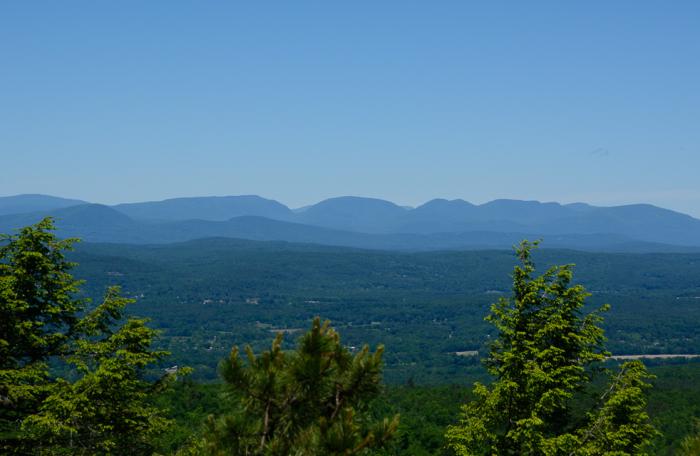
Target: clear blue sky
[(594, 101)]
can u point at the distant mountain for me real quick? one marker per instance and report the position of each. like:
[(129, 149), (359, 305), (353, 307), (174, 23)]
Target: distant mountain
[(441, 216), (640, 222), (643, 222), (438, 215), (352, 213), (93, 222), (97, 223), (455, 216), (23, 204), (373, 223), (264, 229), (524, 212), (217, 208)]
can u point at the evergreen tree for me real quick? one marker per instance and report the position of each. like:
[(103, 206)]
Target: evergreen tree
[(106, 409), (309, 402), (38, 314), (620, 425), (542, 356)]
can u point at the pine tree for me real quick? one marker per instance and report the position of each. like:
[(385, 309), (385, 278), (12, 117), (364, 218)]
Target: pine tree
[(312, 401), (541, 358)]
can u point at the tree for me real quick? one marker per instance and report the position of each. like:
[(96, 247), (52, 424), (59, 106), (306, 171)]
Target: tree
[(106, 408), (543, 355), (690, 446), (311, 401), (38, 314)]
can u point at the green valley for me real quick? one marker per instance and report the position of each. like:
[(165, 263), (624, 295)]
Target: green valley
[(208, 295)]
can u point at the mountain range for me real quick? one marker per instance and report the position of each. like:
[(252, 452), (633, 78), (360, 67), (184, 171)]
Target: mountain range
[(364, 223)]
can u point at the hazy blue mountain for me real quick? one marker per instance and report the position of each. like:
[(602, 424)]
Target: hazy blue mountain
[(217, 208), (264, 229), (22, 204), (352, 213), (93, 222), (448, 216), (377, 224), (640, 222), (443, 211), (440, 215), (579, 207), (643, 222), (97, 223), (523, 212)]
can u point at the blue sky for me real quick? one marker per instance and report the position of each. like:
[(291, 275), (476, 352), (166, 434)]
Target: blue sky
[(557, 101)]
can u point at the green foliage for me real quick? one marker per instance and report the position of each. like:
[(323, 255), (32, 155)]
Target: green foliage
[(37, 317), (419, 304), (188, 403), (620, 426), (423, 307), (101, 405), (106, 409), (540, 359), (690, 446), (674, 404), (311, 401), (37, 292), (425, 413)]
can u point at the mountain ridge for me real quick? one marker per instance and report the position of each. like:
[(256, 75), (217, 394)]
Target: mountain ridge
[(32, 202), (362, 222)]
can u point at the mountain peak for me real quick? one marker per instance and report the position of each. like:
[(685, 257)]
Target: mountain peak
[(34, 202), (445, 203), (355, 213), (433, 223), (215, 208), (355, 200)]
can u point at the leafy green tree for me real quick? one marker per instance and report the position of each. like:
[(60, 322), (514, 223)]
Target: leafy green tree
[(312, 401), (620, 425), (542, 356), (105, 409), (38, 314)]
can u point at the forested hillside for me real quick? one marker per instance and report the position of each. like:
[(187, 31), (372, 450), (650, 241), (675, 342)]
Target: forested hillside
[(82, 377), (208, 295)]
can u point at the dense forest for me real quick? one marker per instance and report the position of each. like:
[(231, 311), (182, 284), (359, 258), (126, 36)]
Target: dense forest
[(209, 295), (80, 373), (426, 411)]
